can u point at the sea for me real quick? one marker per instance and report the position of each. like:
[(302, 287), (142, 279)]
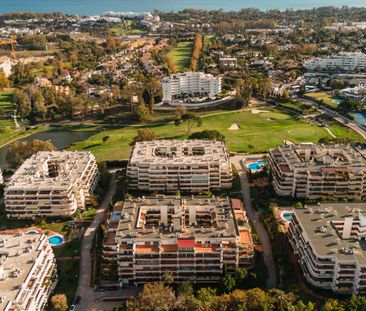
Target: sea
[(96, 7)]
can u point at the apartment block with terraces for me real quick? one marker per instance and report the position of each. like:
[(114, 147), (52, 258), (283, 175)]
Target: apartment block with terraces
[(316, 171), (51, 184), (194, 238), (186, 165), (27, 271), (330, 242)]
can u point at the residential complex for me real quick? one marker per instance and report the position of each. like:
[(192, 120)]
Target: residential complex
[(27, 271), (186, 165), (194, 238), (318, 171), (330, 241), (340, 62), (51, 183), (190, 84)]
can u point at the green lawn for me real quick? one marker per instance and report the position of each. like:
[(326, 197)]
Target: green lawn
[(68, 275), (258, 132), (126, 28), (6, 111), (323, 97), (182, 54)]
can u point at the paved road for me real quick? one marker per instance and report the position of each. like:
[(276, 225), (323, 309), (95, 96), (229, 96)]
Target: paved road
[(341, 119), (84, 289), (259, 228)]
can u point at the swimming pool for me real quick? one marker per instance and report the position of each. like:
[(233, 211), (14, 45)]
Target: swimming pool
[(256, 166), (55, 240), (31, 232), (287, 216)]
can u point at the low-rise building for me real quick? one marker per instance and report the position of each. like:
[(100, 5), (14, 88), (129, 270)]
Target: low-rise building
[(6, 65), (231, 62), (341, 62), (318, 171), (190, 84), (51, 184), (193, 238), (329, 240), (185, 165), (27, 271)]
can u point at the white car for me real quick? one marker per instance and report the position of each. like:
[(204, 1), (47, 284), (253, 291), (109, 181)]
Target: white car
[(72, 308)]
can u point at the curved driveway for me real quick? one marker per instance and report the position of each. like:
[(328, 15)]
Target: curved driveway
[(259, 228)]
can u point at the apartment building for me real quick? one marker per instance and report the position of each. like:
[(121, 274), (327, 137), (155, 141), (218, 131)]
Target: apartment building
[(185, 165), (341, 62), (194, 238), (329, 240), (318, 171), (190, 84), (27, 271), (51, 184)]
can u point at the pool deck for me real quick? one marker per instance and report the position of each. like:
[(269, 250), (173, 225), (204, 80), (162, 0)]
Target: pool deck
[(34, 229), (278, 212)]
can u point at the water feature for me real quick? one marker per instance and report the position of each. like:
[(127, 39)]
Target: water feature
[(337, 101), (31, 232), (60, 139), (359, 117), (256, 166), (287, 216), (55, 240)]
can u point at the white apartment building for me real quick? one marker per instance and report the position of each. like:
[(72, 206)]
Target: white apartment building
[(51, 184), (329, 240), (190, 84), (27, 271), (318, 171), (194, 238), (185, 165), (5, 65), (342, 62)]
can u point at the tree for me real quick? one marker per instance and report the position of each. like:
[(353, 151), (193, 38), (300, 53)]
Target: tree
[(154, 297), (208, 135), (23, 103), (20, 151), (228, 283), (298, 205), (170, 64), (141, 112), (168, 278), (191, 119), (332, 305), (153, 88), (206, 298), (59, 302), (4, 81), (144, 134), (106, 138)]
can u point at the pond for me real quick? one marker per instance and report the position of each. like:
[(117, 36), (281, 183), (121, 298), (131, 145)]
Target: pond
[(61, 140)]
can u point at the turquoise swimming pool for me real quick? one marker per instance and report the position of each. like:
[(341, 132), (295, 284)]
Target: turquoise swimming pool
[(287, 216), (31, 232), (256, 166), (55, 240)]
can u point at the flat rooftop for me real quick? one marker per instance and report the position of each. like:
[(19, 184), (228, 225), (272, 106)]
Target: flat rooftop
[(319, 223), (319, 157), (170, 217), (57, 170), (179, 152), (17, 254)]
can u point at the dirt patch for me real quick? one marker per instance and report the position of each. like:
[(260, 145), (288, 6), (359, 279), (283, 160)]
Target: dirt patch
[(234, 127), (256, 111)]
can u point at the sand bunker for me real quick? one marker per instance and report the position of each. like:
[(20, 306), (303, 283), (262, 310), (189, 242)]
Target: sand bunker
[(256, 111), (234, 127)]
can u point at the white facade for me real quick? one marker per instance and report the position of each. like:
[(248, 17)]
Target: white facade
[(5, 65), (51, 184), (190, 84), (27, 271), (185, 165), (343, 62), (329, 241)]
